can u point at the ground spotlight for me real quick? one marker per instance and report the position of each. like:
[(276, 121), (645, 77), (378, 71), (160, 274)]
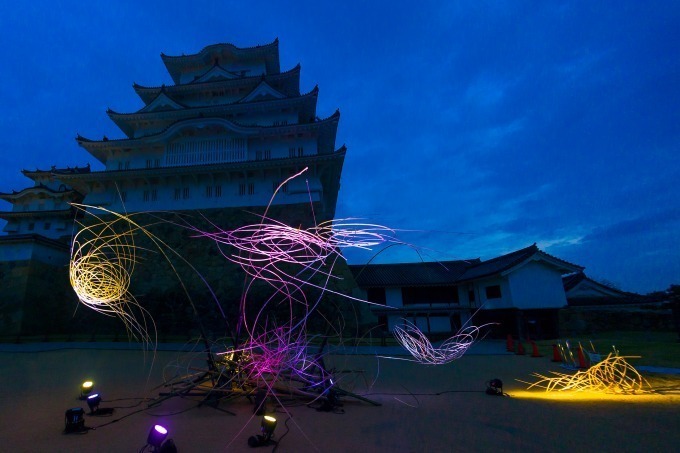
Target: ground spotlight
[(156, 436), (494, 387), (156, 440), (93, 402), (267, 427), (86, 389), (75, 421)]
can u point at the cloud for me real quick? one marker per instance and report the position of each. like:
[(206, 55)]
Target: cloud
[(661, 221)]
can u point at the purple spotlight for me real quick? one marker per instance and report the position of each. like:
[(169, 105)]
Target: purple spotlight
[(156, 436), (93, 402)]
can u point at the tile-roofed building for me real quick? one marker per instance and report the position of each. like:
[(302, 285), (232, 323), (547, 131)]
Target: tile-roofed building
[(583, 290), (441, 296)]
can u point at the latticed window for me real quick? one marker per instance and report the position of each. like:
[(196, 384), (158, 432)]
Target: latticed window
[(178, 193), (206, 151), (283, 189), (146, 195), (242, 188), (208, 191), (154, 194), (218, 191), (185, 193)]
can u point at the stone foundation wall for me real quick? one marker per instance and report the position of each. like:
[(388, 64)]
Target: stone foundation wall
[(41, 300), (586, 320), (35, 299)]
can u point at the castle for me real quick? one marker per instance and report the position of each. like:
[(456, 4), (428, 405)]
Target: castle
[(218, 142)]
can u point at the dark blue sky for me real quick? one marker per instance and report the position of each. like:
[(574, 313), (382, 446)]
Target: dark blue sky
[(483, 126)]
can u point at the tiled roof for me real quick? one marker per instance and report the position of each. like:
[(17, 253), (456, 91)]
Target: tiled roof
[(499, 264), (54, 169), (125, 140), (37, 188), (32, 237), (220, 83), (411, 274), (571, 280), (447, 272)]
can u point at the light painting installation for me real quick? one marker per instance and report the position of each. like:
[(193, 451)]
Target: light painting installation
[(612, 375), (103, 258), (411, 338), (271, 348), (101, 267)]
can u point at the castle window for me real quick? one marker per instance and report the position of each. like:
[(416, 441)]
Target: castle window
[(146, 195), (493, 292), (283, 189), (300, 151), (291, 152), (208, 191), (157, 163), (123, 197), (218, 191), (148, 163), (120, 165), (265, 154), (154, 194), (185, 193), (242, 188), (251, 188), (178, 193), (127, 165)]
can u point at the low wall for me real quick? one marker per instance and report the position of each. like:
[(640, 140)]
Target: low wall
[(584, 320)]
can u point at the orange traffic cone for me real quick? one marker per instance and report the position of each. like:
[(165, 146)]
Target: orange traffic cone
[(509, 344), (520, 348), (581, 358), (535, 352), (556, 354)]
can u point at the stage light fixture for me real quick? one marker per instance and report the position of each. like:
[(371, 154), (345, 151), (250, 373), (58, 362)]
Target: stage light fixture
[(267, 427), (156, 436), (75, 420), (86, 389), (494, 387), (93, 402)]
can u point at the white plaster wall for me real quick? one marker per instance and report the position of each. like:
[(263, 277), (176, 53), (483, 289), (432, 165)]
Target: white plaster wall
[(198, 199), (537, 285), (506, 300)]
